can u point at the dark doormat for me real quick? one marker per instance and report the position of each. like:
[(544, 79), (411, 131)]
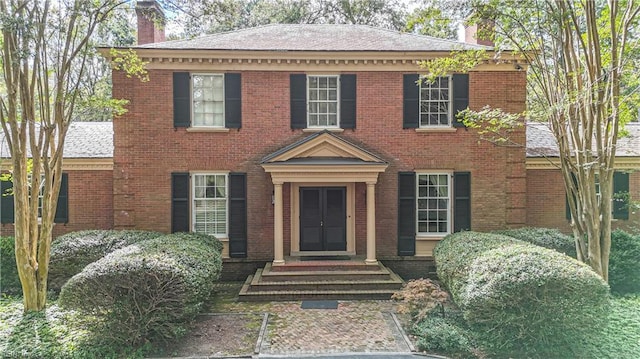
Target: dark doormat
[(325, 258), (319, 304)]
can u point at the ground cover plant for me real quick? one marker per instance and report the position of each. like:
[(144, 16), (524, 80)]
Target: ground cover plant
[(522, 299), (147, 291)]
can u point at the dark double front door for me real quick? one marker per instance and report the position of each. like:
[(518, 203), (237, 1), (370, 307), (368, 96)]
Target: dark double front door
[(323, 219)]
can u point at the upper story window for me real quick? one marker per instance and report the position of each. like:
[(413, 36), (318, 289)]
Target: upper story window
[(210, 204), (435, 102), (323, 104), (323, 101), (208, 100)]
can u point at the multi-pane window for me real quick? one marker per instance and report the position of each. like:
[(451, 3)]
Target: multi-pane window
[(208, 100), (435, 102), (210, 204), (323, 101), (433, 207)]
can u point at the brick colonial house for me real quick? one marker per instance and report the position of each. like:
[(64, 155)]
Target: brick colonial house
[(307, 140)]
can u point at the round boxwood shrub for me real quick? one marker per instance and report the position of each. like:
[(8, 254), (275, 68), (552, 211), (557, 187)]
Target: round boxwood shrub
[(550, 238), (71, 252), (522, 299), (9, 280), (148, 290), (624, 263)]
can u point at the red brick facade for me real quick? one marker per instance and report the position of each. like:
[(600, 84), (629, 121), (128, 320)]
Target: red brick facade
[(90, 202), (148, 149)]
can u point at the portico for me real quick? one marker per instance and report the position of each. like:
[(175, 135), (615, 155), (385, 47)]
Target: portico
[(323, 170)]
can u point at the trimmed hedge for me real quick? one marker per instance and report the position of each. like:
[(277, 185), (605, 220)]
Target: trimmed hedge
[(544, 237), (148, 290), (523, 300), (9, 280), (71, 252), (624, 263)]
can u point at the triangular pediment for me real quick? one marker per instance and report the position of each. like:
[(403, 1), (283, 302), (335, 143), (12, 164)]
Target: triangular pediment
[(322, 145)]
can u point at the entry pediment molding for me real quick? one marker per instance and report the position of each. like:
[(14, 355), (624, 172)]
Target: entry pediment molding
[(323, 144)]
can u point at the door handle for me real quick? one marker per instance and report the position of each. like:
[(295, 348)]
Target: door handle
[(321, 223)]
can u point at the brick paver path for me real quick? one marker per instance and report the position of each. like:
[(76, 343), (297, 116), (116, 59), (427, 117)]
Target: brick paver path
[(356, 326)]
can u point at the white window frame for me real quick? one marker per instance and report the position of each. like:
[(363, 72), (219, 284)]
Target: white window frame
[(450, 103), (192, 104), (194, 199), (449, 198), (337, 77)]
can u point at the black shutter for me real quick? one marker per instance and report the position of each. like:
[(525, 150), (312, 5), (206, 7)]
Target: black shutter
[(620, 201), (6, 203), (406, 213), (461, 201), (237, 215), (181, 99), (411, 102), (348, 101), (460, 97), (233, 100), (567, 207), (179, 202), (298, 88), (62, 209)]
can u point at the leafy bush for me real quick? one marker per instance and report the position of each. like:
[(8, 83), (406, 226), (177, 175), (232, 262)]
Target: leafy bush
[(445, 335), (71, 252), (523, 300), (9, 280), (418, 297), (624, 263), (544, 237), (148, 290)]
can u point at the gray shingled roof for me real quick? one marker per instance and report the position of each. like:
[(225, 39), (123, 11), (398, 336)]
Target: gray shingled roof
[(314, 37), (84, 140), (541, 143)]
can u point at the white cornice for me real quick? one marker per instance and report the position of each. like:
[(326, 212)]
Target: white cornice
[(551, 163), (216, 60), (78, 164)]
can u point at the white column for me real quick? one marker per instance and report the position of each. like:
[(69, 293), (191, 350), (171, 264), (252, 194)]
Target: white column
[(278, 236), (371, 223)]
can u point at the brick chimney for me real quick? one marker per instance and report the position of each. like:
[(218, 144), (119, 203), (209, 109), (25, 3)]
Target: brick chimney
[(151, 22), (485, 28)]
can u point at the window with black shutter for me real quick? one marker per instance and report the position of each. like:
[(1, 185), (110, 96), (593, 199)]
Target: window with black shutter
[(7, 203), (406, 213), (237, 215), (180, 202), (207, 100)]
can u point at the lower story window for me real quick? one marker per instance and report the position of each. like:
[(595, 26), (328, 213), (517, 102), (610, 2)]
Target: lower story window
[(433, 203), (210, 204)]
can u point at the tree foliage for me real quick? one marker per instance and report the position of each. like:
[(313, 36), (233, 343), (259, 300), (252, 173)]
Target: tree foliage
[(581, 83), (46, 47), (210, 16)]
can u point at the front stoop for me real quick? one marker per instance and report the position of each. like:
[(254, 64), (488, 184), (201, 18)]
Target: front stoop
[(318, 280)]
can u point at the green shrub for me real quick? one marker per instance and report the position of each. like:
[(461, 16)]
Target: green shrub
[(9, 280), (522, 299), (148, 290), (446, 335), (624, 263), (544, 237), (71, 252)]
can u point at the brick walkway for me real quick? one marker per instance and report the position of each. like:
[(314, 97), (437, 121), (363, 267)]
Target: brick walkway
[(356, 326)]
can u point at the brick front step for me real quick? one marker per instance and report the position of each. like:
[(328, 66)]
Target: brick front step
[(378, 282)]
